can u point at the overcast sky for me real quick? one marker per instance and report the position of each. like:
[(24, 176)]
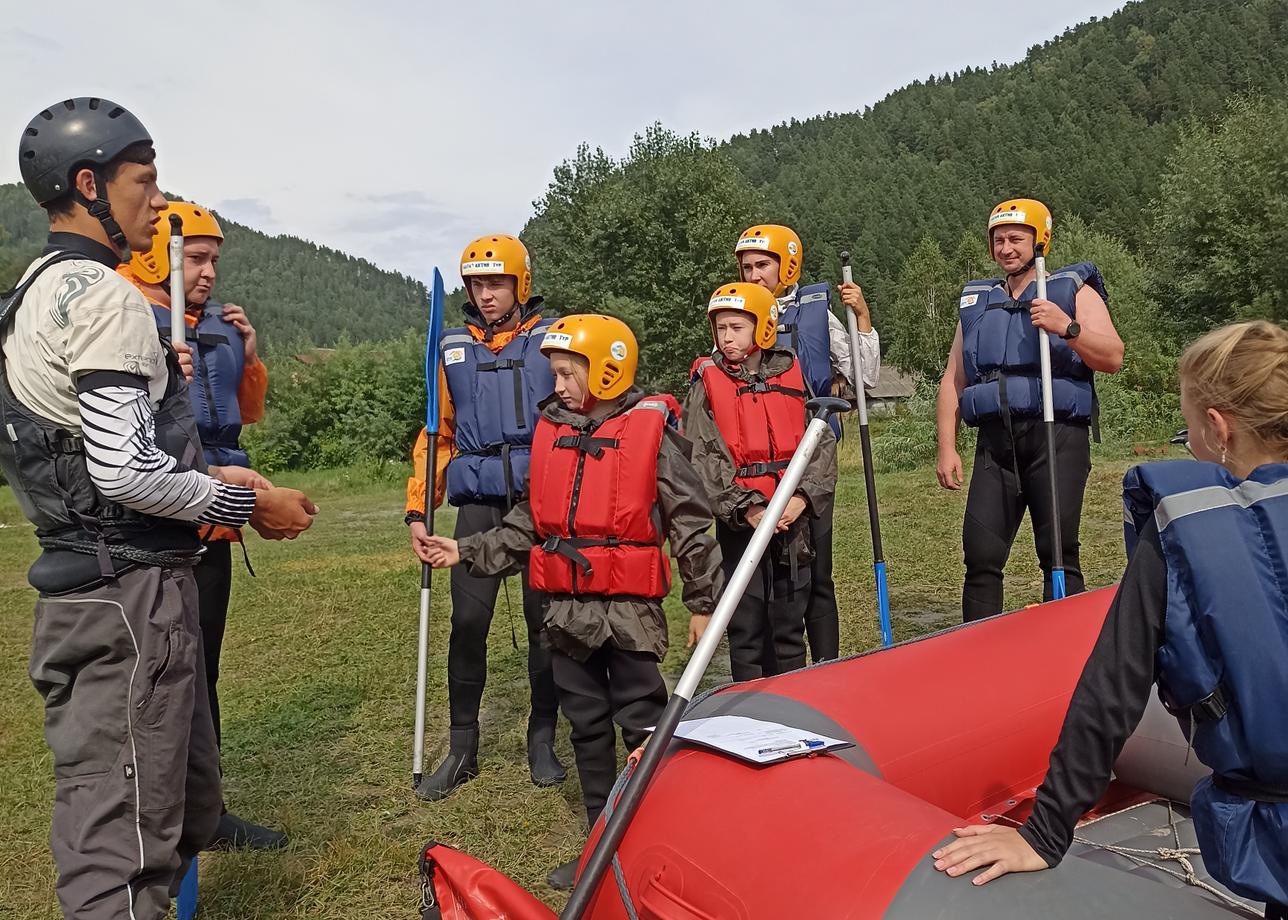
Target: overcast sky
[(399, 130)]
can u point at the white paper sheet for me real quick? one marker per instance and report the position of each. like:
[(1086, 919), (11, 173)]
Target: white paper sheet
[(755, 740)]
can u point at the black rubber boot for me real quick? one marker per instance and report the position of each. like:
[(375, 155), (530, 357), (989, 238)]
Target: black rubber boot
[(562, 877), (459, 766), (236, 833), (544, 766)]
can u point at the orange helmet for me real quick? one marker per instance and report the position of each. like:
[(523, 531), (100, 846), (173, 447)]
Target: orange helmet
[(1027, 212), (752, 299), (498, 255), (780, 241), (606, 342), (153, 266)]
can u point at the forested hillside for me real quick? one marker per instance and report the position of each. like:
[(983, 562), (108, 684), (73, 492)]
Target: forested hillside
[(1086, 122), (296, 292)]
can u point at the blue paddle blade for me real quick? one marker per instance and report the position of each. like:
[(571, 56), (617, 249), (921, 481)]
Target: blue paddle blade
[(432, 337), (1057, 584), (883, 604)]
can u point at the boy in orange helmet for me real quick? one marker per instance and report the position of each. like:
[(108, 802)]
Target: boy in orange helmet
[(228, 387), (772, 256), (745, 414), (492, 378)]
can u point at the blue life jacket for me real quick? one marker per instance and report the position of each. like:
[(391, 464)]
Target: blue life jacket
[(1223, 665), (1000, 350), (218, 360), (494, 398), (803, 327)]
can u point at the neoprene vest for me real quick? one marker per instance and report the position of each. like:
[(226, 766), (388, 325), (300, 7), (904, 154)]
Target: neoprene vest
[(594, 505), (1223, 665), (218, 360), (762, 422), (495, 399), (1000, 350), (803, 327), (44, 464)]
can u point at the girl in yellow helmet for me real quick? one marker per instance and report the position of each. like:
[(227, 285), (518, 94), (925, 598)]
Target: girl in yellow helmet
[(610, 481)]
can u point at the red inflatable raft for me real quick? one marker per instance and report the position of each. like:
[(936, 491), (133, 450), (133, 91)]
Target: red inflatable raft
[(848, 834)]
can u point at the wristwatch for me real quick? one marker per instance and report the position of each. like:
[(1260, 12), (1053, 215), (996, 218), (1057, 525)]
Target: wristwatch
[(412, 517), (1073, 331)]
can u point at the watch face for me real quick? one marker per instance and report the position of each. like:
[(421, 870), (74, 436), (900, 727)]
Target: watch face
[(1073, 331)]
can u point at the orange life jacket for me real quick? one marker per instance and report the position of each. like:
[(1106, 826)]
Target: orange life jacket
[(761, 422), (593, 494)]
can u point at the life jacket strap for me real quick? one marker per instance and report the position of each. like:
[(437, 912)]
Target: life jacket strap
[(769, 468), (570, 548), (515, 366), (1251, 789), (586, 443), (762, 386), (1212, 708)]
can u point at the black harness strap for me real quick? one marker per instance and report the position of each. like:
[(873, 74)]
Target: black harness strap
[(1251, 789), (515, 366), (768, 468), (761, 386), (586, 443)]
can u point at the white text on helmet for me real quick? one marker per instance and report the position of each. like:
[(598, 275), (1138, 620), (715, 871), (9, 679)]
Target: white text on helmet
[(483, 267), (727, 302), (1007, 217)]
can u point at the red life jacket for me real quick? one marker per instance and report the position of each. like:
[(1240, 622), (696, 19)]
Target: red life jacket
[(761, 423), (593, 494)]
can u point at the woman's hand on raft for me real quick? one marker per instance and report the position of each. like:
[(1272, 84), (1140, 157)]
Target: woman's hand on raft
[(1002, 849), (439, 552), (698, 623)]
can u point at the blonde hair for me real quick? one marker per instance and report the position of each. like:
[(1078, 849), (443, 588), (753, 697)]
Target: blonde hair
[(1241, 370)]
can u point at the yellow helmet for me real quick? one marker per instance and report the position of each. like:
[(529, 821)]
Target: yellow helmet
[(498, 254), (153, 266), (1027, 212), (752, 299), (780, 241), (606, 342)]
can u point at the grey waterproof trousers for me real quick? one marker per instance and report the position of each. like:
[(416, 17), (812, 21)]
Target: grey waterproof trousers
[(127, 717)]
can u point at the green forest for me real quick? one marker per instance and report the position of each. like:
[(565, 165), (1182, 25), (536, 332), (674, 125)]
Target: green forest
[(300, 294), (1156, 135)]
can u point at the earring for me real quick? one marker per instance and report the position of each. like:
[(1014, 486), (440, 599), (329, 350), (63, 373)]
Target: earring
[(1223, 453)]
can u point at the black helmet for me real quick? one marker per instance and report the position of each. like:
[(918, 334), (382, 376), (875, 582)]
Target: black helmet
[(70, 135)]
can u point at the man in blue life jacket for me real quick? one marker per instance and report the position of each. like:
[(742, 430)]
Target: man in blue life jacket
[(227, 390), (102, 453), (492, 377), (993, 382), (771, 255)]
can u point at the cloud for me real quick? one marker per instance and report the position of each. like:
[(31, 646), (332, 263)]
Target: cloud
[(253, 212), (23, 40)]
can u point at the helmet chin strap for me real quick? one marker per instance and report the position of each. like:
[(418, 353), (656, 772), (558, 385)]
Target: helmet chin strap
[(501, 321), (101, 210)]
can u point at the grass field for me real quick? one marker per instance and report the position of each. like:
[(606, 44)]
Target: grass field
[(317, 690)]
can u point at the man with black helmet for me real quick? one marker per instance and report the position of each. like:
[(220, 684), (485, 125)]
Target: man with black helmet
[(100, 447)]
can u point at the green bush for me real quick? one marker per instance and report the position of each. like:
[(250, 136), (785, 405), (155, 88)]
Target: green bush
[(359, 404)]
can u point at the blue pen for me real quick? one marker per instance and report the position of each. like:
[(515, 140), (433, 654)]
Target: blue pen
[(805, 744)]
